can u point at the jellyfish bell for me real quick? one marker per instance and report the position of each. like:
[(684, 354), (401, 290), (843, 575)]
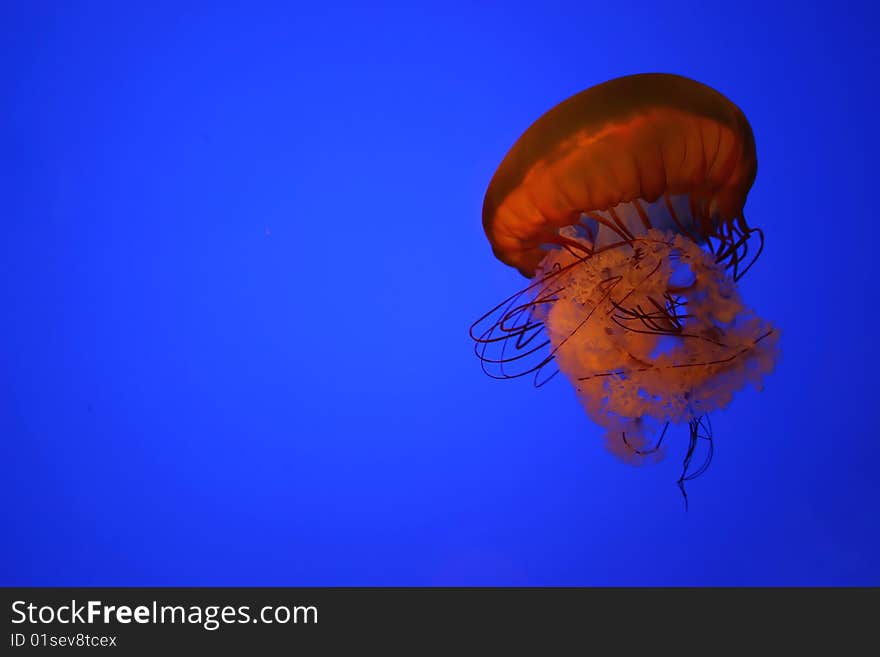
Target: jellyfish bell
[(624, 206)]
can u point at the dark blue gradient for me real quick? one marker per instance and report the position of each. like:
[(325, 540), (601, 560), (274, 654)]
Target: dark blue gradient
[(241, 249)]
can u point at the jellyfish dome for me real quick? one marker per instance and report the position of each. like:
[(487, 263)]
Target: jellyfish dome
[(624, 206)]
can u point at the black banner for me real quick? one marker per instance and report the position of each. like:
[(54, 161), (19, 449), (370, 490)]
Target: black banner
[(269, 620)]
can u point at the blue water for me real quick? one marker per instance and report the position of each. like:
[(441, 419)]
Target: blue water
[(241, 249)]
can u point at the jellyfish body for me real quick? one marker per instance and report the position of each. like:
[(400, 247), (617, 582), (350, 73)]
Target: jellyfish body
[(624, 206)]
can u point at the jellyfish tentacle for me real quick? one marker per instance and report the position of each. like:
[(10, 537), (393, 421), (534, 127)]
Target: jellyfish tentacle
[(646, 220), (695, 426), (620, 224), (512, 326), (652, 450)]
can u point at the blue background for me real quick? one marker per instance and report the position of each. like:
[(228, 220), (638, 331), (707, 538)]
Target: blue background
[(241, 248)]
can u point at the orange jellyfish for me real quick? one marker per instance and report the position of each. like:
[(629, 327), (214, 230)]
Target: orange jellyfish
[(624, 206)]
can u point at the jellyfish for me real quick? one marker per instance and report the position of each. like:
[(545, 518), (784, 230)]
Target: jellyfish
[(623, 205)]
